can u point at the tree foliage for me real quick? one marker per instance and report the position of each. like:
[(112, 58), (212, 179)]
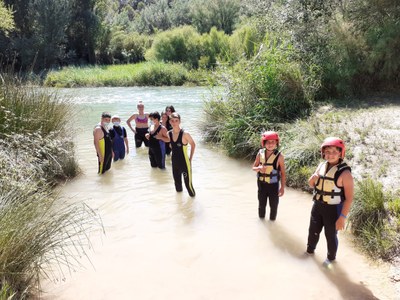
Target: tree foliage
[(6, 18)]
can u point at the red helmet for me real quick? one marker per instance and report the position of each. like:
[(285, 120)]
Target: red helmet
[(269, 135), (333, 142)]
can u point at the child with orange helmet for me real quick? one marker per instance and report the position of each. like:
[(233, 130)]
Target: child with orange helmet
[(271, 178), (333, 195)]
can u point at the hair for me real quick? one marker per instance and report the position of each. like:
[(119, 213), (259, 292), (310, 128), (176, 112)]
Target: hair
[(170, 107), (155, 115), (175, 115), (140, 103), (105, 115)]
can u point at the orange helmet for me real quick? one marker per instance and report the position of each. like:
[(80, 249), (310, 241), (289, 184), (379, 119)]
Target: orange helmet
[(333, 142), (269, 135)]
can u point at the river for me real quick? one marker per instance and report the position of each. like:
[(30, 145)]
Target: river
[(159, 244)]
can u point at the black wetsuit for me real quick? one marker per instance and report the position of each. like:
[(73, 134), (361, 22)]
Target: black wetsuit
[(167, 145), (156, 150), (105, 145), (140, 136), (181, 164)]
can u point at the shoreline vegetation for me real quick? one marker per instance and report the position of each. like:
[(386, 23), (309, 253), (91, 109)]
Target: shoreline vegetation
[(40, 233)]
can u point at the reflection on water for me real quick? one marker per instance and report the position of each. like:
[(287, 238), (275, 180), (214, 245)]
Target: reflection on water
[(160, 244)]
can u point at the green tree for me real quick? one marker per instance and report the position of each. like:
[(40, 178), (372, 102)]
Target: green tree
[(222, 14), (154, 17), (83, 30), (6, 18)]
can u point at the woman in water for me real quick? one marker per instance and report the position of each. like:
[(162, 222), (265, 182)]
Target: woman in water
[(141, 119)]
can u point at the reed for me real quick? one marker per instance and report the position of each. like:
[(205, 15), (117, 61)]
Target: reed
[(141, 74), (40, 233), (373, 225)]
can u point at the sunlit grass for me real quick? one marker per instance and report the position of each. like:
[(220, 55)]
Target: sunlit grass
[(140, 74), (39, 230)]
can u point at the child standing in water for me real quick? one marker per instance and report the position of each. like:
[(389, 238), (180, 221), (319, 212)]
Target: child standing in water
[(157, 138), (270, 167), (119, 139), (181, 161), (333, 195), (102, 143)]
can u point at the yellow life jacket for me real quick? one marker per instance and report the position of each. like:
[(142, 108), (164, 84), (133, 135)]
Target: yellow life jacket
[(271, 174), (326, 188)]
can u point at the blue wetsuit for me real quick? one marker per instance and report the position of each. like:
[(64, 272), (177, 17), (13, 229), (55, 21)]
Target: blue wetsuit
[(118, 133)]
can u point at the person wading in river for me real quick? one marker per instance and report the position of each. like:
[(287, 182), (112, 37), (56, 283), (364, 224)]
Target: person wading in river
[(270, 167), (103, 143), (157, 137), (141, 125), (181, 161), (333, 195)]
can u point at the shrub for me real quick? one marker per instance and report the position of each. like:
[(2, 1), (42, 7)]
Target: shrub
[(177, 45), (370, 220)]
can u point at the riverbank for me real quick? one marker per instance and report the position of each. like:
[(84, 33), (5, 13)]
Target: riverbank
[(140, 74)]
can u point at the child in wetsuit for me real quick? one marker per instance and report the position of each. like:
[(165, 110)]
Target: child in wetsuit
[(119, 139), (181, 161), (271, 178), (157, 137)]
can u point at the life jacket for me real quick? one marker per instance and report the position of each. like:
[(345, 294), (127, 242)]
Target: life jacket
[(272, 172), (326, 188)]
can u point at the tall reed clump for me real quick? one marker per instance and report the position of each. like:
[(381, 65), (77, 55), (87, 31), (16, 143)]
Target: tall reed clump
[(38, 229), (140, 74), (258, 95), (375, 219)]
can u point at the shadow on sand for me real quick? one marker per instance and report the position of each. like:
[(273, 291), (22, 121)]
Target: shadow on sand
[(334, 272)]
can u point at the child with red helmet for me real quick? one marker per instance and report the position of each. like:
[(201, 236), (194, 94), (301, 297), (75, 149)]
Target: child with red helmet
[(333, 195), (271, 178)]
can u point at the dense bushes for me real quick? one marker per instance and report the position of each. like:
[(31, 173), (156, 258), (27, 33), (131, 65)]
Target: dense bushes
[(373, 219), (141, 74), (38, 230), (259, 94)]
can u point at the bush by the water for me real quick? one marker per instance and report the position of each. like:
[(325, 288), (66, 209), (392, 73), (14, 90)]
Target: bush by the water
[(375, 219), (258, 95), (141, 74), (38, 231)]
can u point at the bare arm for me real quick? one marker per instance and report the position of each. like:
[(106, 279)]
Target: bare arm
[(348, 185), (97, 136), (163, 135), (187, 139), (312, 181), (256, 164), (131, 118)]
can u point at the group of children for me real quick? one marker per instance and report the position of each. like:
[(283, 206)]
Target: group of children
[(163, 137), (332, 180), (332, 183)]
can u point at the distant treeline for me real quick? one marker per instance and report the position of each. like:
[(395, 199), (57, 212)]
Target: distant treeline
[(351, 45)]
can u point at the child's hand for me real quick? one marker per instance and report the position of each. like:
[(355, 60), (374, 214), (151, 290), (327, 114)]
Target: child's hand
[(281, 191), (147, 135)]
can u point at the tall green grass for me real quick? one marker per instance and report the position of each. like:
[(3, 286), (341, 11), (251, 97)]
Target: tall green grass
[(373, 224), (141, 74), (39, 230)]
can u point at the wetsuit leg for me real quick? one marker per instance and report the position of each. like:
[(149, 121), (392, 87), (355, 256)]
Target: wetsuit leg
[(167, 149), (159, 155), (107, 162), (187, 176), (330, 217), (152, 158), (177, 174), (138, 140), (273, 190), (262, 198), (316, 224)]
